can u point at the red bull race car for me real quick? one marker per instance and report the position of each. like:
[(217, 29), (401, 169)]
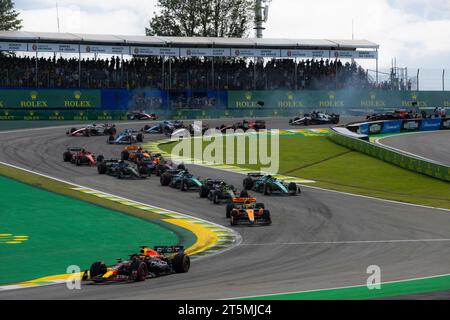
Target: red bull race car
[(148, 263)]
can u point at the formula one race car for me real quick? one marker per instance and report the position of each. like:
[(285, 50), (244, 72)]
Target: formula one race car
[(396, 115), (245, 125), (267, 185), (122, 170), (141, 115), (80, 156), (180, 179), (165, 127), (217, 191), (128, 136), (247, 211), (315, 118), (93, 130), (148, 263)]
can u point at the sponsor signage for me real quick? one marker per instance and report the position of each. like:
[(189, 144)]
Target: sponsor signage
[(52, 47), (430, 124), (105, 49), (47, 99), (392, 126), (411, 125), (205, 52), (293, 53), (344, 54), (445, 124), (155, 51), (364, 129), (260, 53), (375, 128), (13, 46)]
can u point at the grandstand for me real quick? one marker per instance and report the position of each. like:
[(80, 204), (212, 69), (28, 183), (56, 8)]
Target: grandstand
[(177, 63)]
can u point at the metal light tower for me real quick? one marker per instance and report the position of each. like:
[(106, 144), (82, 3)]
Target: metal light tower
[(261, 16)]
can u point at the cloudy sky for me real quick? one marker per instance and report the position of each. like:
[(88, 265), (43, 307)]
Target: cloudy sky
[(416, 32)]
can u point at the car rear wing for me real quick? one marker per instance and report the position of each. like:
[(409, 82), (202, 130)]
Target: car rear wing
[(169, 249), (243, 200), (74, 149), (255, 175), (110, 160)]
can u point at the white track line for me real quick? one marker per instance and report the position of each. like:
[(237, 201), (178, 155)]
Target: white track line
[(343, 242)]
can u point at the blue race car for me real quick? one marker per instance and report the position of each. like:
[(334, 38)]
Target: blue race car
[(129, 136), (267, 185), (165, 127)]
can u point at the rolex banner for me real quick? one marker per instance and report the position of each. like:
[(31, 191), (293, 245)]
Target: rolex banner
[(48, 99), (338, 99)]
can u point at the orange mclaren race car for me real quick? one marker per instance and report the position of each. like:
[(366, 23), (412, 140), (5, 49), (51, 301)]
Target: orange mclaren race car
[(148, 263), (247, 211)]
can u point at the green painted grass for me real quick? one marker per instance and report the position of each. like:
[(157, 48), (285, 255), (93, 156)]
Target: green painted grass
[(338, 168), (64, 231), (394, 289)]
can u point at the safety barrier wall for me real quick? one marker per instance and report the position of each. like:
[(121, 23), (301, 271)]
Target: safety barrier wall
[(400, 159), (45, 103)]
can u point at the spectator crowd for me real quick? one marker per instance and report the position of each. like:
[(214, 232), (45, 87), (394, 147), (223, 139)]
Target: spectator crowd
[(181, 73)]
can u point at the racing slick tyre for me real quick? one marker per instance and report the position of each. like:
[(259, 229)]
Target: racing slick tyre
[(244, 194), (267, 190), (267, 217), (204, 192), (97, 269), (216, 199), (248, 183), (260, 206), (140, 137), (228, 210), (165, 179), (73, 130), (183, 186), (232, 222), (101, 168), (181, 167), (111, 139), (67, 156), (181, 263), (125, 155), (139, 271), (78, 162), (100, 158), (292, 187), (86, 133)]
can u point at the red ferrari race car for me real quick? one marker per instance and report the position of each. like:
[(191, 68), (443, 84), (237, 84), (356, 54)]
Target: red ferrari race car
[(148, 263), (245, 125), (93, 130), (80, 156)]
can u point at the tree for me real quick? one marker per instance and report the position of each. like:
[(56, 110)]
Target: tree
[(9, 17), (202, 18)]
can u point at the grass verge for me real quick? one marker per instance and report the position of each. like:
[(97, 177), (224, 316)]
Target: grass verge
[(337, 168)]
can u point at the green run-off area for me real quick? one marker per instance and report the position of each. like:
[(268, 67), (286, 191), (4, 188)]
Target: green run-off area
[(338, 168), (63, 231)]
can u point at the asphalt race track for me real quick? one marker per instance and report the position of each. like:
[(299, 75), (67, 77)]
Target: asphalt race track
[(433, 145), (318, 240)]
